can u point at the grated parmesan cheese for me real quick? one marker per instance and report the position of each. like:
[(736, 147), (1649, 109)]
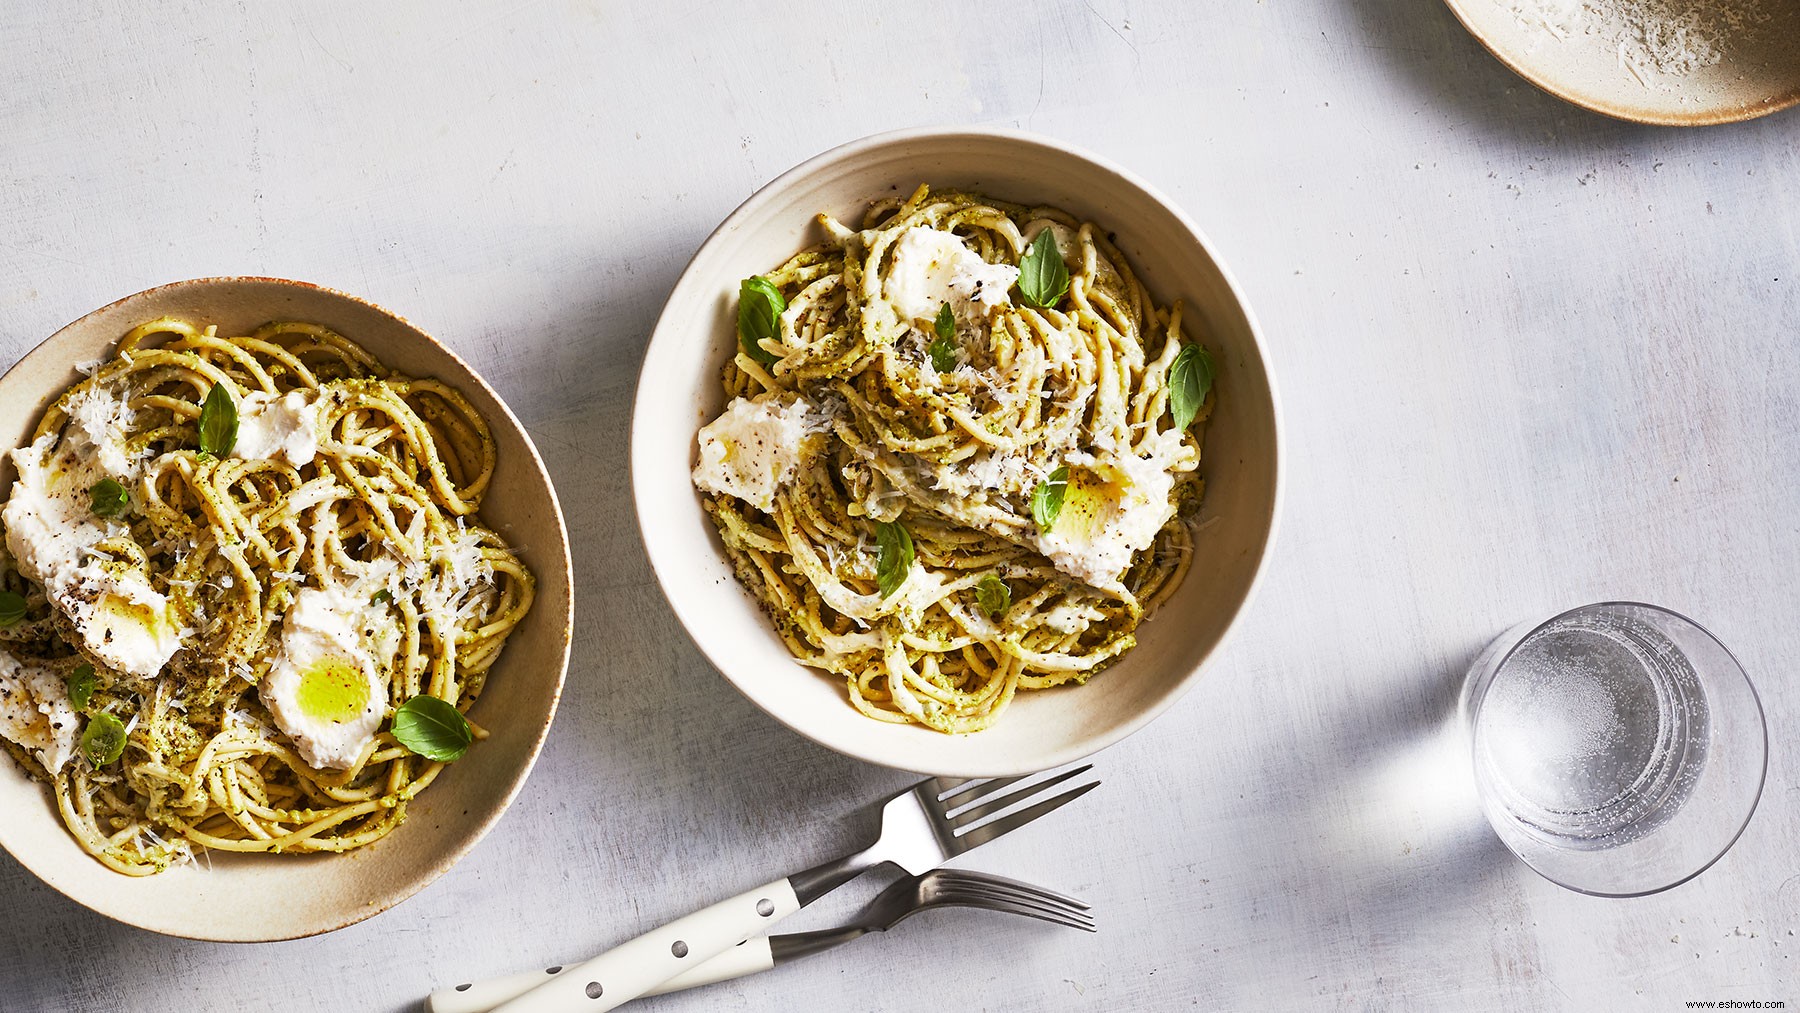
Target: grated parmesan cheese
[(103, 417), (1652, 39)]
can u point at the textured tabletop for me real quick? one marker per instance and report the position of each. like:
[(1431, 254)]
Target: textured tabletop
[(1528, 356)]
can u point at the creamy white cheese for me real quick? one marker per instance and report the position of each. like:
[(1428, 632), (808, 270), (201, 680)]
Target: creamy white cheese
[(285, 425), (930, 267), (921, 588), (752, 450), (124, 621), (841, 646), (1126, 507), (1073, 617), (35, 711), (52, 531), (50, 527), (324, 689), (50, 523)]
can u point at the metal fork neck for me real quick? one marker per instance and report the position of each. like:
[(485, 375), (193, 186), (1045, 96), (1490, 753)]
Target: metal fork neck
[(794, 945), (820, 880)]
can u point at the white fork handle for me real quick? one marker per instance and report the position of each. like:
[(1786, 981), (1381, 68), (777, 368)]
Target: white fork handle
[(633, 968), (748, 957)]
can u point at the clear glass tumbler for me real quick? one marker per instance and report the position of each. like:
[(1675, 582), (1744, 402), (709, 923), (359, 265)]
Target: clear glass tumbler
[(1619, 748)]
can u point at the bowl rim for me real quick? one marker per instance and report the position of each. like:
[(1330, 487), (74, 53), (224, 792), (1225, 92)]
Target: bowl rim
[(430, 873), (671, 582)]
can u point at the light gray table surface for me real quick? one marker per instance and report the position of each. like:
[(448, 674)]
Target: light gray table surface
[(1529, 357)]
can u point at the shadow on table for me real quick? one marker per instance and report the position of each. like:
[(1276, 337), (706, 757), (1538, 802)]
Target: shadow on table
[(1422, 840), (1437, 59), (1374, 805)]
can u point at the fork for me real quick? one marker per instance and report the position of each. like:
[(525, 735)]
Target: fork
[(901, 900), (921, 829)]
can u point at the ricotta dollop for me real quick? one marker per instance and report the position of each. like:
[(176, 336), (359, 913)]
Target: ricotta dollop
[(125, 622), (931, 267), (35, 711), (52, 534), (752, 450), (324, 689), (278, 425), (1115, 504)]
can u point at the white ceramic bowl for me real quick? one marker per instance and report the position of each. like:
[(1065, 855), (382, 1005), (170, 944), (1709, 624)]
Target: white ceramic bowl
[(679, 391), (263, 897)]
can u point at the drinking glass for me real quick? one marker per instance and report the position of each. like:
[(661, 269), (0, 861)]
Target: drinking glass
[(1619, 748)]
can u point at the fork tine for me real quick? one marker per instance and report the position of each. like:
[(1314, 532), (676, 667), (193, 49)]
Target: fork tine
[(1054, 901), (1062, 918), (1006, 824), (970, 816), (972, 878), (949, 788), (984, 899)]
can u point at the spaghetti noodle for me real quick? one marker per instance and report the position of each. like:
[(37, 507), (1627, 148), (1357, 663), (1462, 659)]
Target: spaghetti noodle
[(231, 623), (951, 467)]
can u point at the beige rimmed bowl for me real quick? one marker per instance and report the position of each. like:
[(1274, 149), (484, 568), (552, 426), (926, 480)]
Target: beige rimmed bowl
[(679, 390), (1758, 72), (247, 898)]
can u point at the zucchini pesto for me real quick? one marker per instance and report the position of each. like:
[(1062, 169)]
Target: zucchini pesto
[(244, 596), (959, 455)]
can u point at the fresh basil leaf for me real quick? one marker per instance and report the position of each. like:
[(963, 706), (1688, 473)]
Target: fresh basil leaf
[(945, 324), (896, 557), (12, 608), (218, 422), (103, 741), (432, 728), (1047, 499), (81, 686), (943, 350), (759, 317), (993, 596), (381, 597), (1043, 277), (943, 355), (108, 498), (1190, 377)]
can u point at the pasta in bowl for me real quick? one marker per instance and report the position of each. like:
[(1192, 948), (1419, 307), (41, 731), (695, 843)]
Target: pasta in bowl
[(956, 539), (261, 604), (960, 459)]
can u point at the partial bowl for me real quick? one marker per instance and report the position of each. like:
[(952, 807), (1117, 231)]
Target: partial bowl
[(257, 897), (679, 391), (1669, 64)]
